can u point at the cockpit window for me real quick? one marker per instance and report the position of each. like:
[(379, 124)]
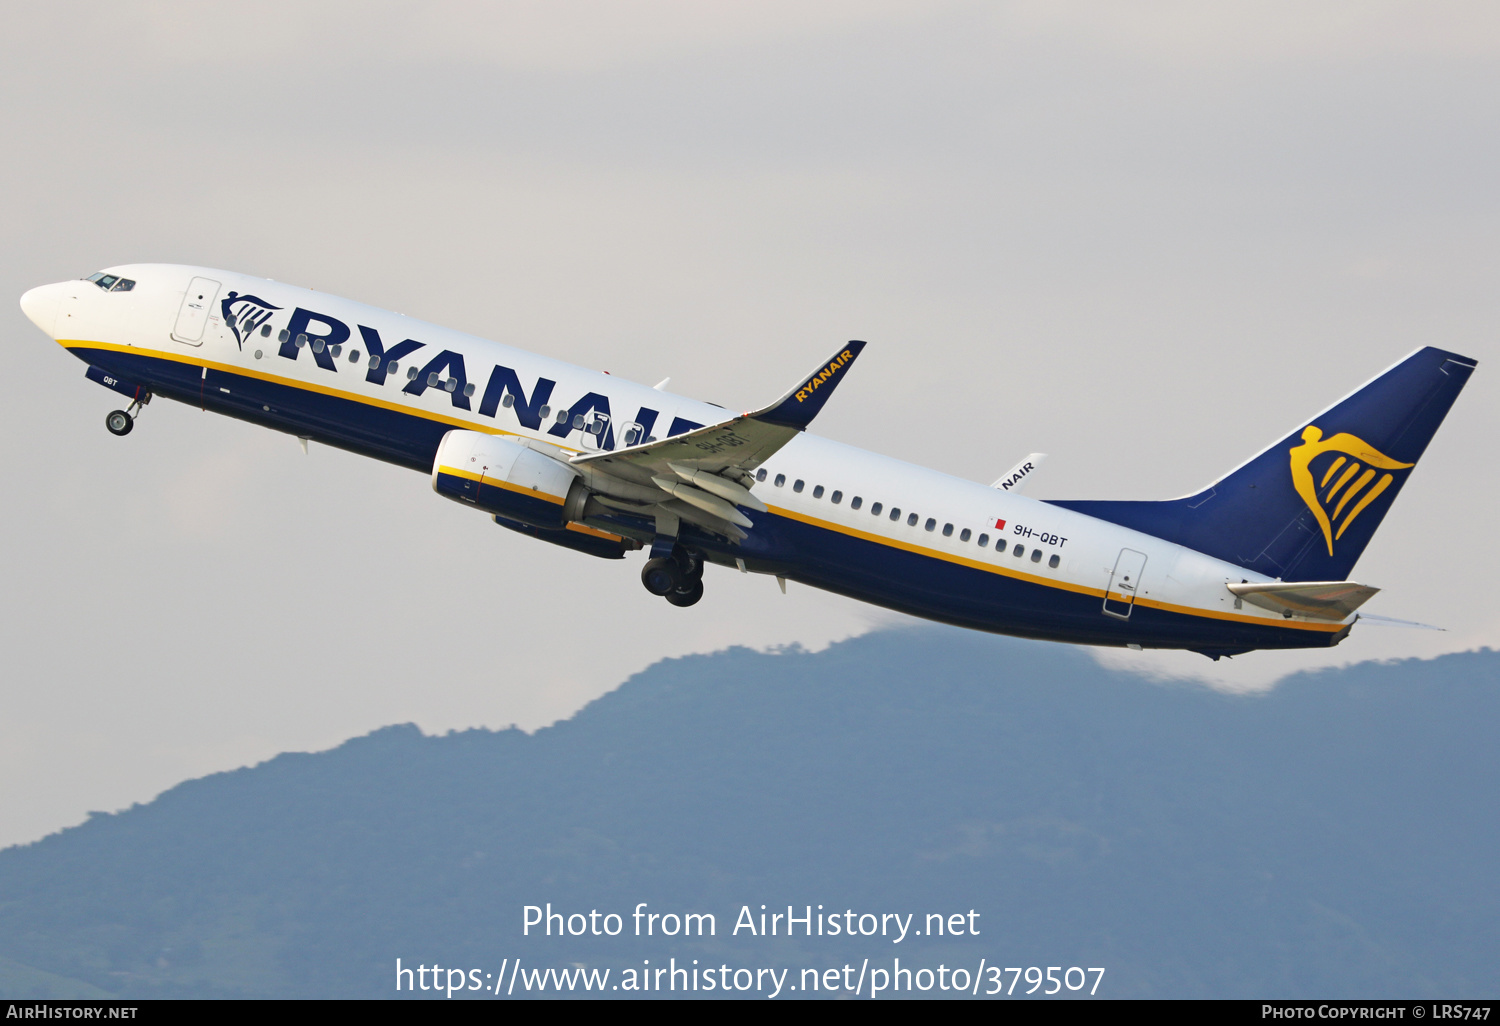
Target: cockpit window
[(110, 282)]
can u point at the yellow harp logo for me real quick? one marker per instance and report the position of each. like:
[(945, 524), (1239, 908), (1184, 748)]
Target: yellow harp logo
[(1345, 480)]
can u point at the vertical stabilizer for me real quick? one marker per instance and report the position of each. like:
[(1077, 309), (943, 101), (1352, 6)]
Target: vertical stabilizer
[(1306, 507)]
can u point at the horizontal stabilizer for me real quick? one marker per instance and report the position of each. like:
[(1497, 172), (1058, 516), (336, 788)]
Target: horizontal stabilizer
[(1391, 621), (1325, 600)]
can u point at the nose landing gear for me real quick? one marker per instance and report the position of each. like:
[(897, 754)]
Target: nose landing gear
[(119, 422), (677, 577)]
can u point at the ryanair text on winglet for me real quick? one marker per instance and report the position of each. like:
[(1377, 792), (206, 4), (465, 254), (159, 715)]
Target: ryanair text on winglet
[(824, 374)]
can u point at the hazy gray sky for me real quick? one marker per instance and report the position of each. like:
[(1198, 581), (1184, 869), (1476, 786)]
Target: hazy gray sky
[(1147, 239)]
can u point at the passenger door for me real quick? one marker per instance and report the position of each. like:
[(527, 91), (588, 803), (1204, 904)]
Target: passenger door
[(192, 317)]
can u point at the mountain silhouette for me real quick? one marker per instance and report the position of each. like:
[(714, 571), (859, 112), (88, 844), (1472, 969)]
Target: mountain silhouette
[(1333, 837)]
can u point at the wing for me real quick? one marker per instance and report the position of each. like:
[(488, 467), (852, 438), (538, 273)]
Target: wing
[(710, 469)]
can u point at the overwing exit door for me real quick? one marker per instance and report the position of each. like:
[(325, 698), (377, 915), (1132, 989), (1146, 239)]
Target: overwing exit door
[(192, 317), (1124, 581), (595, 427)]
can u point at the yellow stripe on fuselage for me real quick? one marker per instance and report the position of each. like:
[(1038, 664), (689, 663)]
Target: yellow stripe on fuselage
[(1046, 582), (920, 550), (306, 386)]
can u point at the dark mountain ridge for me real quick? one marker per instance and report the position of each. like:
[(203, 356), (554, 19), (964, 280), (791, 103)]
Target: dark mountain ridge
[(1333, 837)]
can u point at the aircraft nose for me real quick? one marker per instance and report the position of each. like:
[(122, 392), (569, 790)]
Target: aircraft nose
[(41, 304)]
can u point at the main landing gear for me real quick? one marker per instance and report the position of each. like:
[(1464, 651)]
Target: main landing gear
[(677, 577)]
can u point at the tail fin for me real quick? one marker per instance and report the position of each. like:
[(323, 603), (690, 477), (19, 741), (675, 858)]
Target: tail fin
[(1305, 508)]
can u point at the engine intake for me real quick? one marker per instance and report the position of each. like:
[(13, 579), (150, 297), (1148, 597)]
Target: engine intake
[(501, 476)]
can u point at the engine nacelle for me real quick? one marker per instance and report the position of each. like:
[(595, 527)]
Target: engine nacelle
[(500, 476)]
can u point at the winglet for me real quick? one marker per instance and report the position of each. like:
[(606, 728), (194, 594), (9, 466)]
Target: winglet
[(798, 407)]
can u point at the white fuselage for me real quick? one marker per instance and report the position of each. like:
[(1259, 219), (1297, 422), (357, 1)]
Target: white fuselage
[(817, 483)]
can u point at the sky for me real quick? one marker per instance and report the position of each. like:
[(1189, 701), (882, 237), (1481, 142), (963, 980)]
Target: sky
[(1146, 239)]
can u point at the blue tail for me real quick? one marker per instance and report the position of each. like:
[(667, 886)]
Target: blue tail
[(1305, 508)]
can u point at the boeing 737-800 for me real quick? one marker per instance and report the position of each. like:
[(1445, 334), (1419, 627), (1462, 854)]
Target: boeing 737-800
[(581, 459)]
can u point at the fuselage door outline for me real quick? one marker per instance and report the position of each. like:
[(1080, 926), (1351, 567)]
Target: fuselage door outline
[(1124, 583), (192, 317)]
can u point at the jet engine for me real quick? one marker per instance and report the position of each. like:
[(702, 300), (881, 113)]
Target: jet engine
[(506, 477)]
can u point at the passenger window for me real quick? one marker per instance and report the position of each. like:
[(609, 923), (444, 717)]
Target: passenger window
[(265, 331), (393, 366), (948, 531), (984, 540), (797, 486), (1018, 551), (411, 374), (895, 512), (932, 524), (1056, 559), (836, 498), (283, 336), (964, 535), (317, 345), (469, 390), (508, 401), (544, 412), (780, 480), (856, 502), (911, 521), (451, 385), (336, 351), (875, 509), (354, 355), (562, 416), (1036, 555), (760, 475), (818, 492), (301, 341), (577, 421)]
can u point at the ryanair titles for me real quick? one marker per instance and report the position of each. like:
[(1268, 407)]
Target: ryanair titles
[(327, 337), (817, 380)]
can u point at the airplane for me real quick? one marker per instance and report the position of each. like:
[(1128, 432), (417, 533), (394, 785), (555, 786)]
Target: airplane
[(1259, 559)]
